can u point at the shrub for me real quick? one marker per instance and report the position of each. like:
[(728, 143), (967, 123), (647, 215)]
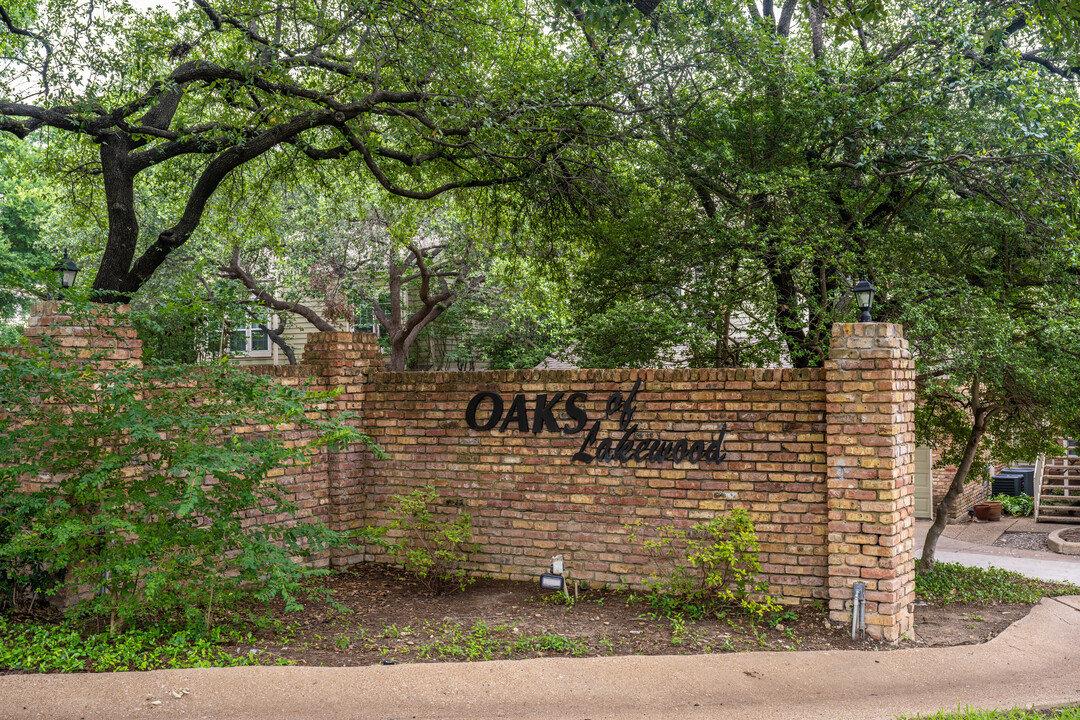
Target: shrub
[(430, 548), (149, 475), (1019, 505), (25, 578), (712, 566)]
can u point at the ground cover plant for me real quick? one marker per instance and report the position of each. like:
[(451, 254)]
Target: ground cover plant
[(125, 488), (954, 583), (1066, 713), (374, 614), (34, 646)]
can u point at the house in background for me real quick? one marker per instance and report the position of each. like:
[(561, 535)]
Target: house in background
[(932, 480), (249, 344)]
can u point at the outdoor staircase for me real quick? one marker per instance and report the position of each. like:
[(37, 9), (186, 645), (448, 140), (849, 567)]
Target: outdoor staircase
[(1057, 489)]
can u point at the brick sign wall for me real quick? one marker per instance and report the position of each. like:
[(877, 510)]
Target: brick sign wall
[(531, 499), (821, 459)]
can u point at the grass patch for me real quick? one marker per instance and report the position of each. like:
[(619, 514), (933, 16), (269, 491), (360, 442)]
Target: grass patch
[(40, 647), (954, 583), (1068, 713)]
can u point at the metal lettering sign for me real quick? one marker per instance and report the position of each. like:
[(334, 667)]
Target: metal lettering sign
[(489, 411)]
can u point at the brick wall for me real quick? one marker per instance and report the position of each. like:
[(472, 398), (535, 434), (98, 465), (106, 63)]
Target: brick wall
[(974, 490), (91, 334), (530, 500), (820, 458)]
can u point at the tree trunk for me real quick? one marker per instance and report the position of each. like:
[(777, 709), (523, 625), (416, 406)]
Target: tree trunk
[(399, 354), (978, 429), (119, 181)]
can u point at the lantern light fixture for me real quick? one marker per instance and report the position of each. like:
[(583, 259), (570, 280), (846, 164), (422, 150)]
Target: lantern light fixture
[(67, 270), (864, 298)]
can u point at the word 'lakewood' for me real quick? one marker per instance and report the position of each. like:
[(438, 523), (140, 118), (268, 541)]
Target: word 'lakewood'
[(623, 449)]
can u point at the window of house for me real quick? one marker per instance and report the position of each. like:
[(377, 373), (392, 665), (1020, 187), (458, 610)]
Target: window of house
[(365, 320), (250, 341), (365, 315)]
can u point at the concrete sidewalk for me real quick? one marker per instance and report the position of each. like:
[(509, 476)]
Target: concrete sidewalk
[(1036, 661), (1042, 565)]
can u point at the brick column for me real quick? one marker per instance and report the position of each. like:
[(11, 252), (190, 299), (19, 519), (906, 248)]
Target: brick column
[(99, 334), (870, 403), (343, 360)]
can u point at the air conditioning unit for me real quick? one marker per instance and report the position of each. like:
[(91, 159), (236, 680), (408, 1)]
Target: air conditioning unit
[(1007, 483)]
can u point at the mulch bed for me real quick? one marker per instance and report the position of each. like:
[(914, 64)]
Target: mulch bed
[(1023, 541), (381, 616)]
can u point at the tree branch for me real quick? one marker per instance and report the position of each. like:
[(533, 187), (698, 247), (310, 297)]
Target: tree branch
[(6, 19), (234, 271), (274, 335)]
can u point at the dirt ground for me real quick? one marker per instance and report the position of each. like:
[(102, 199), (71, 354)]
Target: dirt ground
[(379, 616)]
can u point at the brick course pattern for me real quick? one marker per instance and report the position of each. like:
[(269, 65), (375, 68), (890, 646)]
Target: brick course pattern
[(820, 458), (530, 501), (870, 403), (96, 335)]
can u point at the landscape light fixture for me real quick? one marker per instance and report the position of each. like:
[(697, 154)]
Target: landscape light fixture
[(553, 580), (67, 270), (864, 298)]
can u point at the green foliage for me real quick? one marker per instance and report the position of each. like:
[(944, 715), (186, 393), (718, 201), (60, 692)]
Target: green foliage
[(39, 647), (954, 583), (1018, 505), (1066, 713), (551, 643), (630, 334), (149, 474), (25, 578), (490, 328), (181, 320), (25, 202), (712, 567), (431, 548), (455, 641), (506, 88)]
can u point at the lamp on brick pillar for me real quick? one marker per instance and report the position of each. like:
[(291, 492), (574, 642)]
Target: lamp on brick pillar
[(67, 270), (864, 298)]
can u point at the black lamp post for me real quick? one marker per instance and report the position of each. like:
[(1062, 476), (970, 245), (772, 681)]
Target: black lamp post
[(864, 298), (67, 270)]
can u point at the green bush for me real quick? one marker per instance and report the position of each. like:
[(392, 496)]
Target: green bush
[(712, 566), (151, 473), (1018, 505), (27, 578), (431, 548)]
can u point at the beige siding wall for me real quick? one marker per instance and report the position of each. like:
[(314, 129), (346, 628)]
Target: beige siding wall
[(295, 335)]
